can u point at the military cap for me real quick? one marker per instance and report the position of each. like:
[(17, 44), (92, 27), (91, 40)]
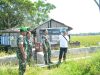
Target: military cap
[(23, 29), (28, 29)]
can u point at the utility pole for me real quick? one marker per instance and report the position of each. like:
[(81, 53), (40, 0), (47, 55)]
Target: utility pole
[(98, 3)]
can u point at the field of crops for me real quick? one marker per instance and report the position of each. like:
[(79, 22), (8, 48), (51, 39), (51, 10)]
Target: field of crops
[(86, 41)]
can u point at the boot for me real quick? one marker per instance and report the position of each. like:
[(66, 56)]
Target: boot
[(46, 62), (50, 61)]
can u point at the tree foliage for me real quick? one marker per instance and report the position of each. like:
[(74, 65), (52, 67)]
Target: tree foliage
[(18, 12)]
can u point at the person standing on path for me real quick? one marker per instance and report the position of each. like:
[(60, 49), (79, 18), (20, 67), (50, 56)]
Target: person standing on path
[(64, 39), (21, 54), (46, 47), (29, 39)]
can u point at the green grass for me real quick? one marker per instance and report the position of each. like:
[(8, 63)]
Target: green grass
[(80, 67), (86, 40), (3, 53), (8, 70)]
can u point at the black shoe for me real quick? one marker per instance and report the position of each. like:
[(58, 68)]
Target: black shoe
[(46, 63)]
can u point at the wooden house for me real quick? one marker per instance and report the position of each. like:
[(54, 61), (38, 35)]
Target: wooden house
[(50, 24)]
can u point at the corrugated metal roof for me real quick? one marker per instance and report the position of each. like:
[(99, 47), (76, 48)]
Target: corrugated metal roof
[(12, 30)]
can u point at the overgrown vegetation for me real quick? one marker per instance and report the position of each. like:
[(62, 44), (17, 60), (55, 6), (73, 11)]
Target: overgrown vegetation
[(4, 53), (79, 67)]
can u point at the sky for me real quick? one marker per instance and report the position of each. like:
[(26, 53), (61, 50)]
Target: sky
[(82, 15)]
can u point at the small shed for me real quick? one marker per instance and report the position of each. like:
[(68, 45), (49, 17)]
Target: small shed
[(8, 37), (49, 24)]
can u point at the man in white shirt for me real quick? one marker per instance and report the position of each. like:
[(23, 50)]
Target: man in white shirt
[(64, 39)]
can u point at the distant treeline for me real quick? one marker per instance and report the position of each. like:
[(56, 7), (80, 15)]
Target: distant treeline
[(86, 34)]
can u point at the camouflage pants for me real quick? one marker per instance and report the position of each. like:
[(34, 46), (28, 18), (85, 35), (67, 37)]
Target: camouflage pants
[(22, 67), (29, 57), (22, 63), (47, 56)]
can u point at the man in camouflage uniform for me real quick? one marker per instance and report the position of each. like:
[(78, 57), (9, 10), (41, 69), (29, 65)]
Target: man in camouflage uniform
[(21, 55), (29, 39), (46, 47)]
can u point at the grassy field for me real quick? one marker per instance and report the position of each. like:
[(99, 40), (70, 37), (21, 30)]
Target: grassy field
[(80, 67), (86, 41), (3, 53)]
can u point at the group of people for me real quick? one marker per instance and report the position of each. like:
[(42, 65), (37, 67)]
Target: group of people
[(63, 40), (24, 52), (25, 45)]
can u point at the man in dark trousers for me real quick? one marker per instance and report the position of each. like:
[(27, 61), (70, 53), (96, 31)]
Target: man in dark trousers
[(64, 39)]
